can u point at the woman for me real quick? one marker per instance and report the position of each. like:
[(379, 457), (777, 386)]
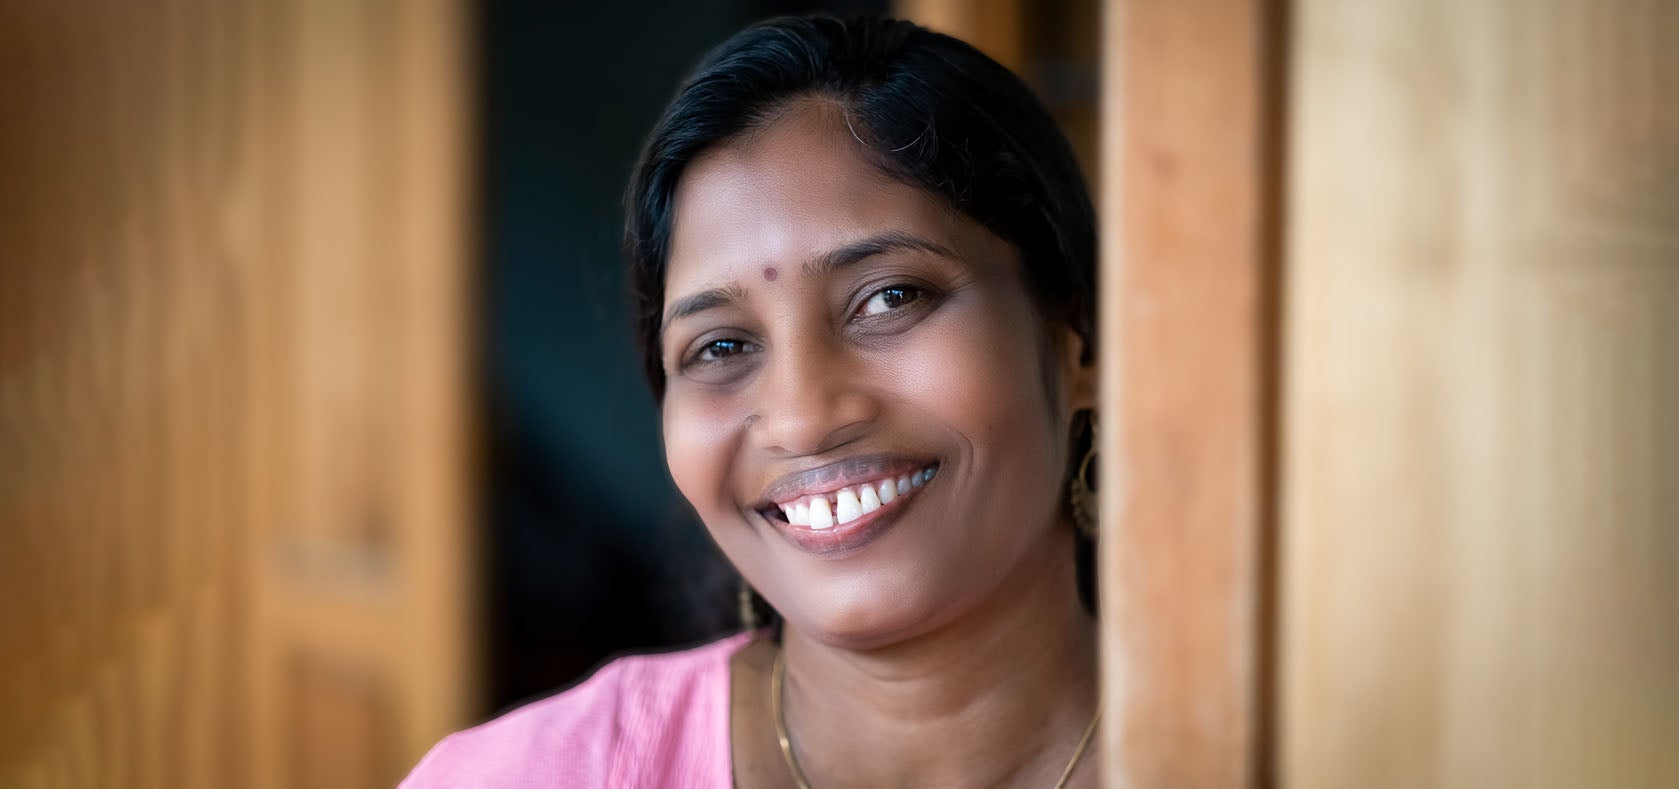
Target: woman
[(863, 257)]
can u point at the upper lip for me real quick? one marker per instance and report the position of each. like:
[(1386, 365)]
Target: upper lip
[(839, 474)]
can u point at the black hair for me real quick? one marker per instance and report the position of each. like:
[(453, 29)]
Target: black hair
[(932, 111)]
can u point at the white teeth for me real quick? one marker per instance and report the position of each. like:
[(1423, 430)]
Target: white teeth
[(824, 511), (870, 499), (847, 508), (820, 517)]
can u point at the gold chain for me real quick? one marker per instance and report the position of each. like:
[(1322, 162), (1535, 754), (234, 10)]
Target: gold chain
[(778, 677)]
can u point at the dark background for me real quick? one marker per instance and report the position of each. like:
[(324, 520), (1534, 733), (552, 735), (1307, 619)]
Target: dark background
[(590, 550)]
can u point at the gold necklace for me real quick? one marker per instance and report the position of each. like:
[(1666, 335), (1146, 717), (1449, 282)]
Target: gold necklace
[(778, 677)]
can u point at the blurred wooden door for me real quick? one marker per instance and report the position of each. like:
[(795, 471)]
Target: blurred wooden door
[(233, 271)]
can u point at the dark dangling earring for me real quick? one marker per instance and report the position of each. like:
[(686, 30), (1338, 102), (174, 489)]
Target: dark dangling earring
[(1082, 493), (748, 609)]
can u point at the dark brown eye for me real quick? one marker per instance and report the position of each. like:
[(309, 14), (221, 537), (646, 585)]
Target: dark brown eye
[(888, 299), (718, 350)]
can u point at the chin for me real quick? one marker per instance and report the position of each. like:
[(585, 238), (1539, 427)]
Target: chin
[(869, 620)]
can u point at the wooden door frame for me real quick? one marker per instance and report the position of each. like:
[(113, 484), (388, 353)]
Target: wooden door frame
[(1190, 213)]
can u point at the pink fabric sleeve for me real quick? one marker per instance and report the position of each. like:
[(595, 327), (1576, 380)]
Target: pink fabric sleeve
[(644, 721)]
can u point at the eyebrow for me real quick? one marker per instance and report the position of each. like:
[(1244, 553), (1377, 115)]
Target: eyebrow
[(823, 265), (880, 244), (704, 300)]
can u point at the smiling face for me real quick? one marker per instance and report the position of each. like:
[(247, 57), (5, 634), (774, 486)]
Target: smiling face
[(857, 403)]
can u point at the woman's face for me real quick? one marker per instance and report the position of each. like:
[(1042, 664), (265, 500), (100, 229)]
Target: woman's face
[(832, 337)]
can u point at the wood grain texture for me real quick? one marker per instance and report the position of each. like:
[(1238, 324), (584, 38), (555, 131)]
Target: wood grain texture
[(232, 501), (1481, 551), (1187, 261)]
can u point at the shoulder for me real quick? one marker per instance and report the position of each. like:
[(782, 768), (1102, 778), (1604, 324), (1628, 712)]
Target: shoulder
[(644, 720)]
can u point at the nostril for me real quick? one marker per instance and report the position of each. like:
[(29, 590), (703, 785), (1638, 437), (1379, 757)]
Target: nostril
[(810, 402)]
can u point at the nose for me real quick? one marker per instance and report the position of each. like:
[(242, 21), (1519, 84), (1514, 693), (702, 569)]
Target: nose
[(812, 398)]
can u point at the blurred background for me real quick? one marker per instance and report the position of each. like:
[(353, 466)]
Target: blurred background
[(322, 432)]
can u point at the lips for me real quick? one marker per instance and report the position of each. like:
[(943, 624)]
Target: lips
[(826, 509), (840, 506)]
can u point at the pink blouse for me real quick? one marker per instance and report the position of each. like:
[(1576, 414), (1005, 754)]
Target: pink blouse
[(647, 720)]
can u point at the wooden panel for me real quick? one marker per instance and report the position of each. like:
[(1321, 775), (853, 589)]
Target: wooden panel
[(340, 726), (1481, 508), (363, 560), (121, 637), (232, 250), (1188, 255)]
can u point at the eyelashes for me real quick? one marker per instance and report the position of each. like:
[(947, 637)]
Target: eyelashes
[(718, 350), (887, 299)]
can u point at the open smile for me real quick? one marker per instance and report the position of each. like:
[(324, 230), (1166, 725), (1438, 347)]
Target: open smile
[(839, 508)]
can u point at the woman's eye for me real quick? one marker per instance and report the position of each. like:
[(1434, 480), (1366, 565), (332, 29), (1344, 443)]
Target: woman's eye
[(718, 350), (719, 361), (888, 299)]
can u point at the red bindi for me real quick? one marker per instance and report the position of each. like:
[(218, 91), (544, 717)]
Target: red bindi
[(769, 274)]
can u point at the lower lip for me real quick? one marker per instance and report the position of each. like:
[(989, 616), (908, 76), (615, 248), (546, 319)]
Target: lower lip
[(843, 539)]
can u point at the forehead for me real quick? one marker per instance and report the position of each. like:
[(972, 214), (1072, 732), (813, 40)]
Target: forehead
[(784, 195)]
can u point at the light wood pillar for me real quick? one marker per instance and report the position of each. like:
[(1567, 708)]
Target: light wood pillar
[(1481, 530)]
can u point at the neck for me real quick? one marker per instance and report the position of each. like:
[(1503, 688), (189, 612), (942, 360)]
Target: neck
[(998, 696)]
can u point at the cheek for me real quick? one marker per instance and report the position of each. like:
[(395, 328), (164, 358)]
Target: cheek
[(700, 437), (983, 376)]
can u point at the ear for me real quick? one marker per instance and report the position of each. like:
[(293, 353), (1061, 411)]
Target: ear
[(1081, 378)]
